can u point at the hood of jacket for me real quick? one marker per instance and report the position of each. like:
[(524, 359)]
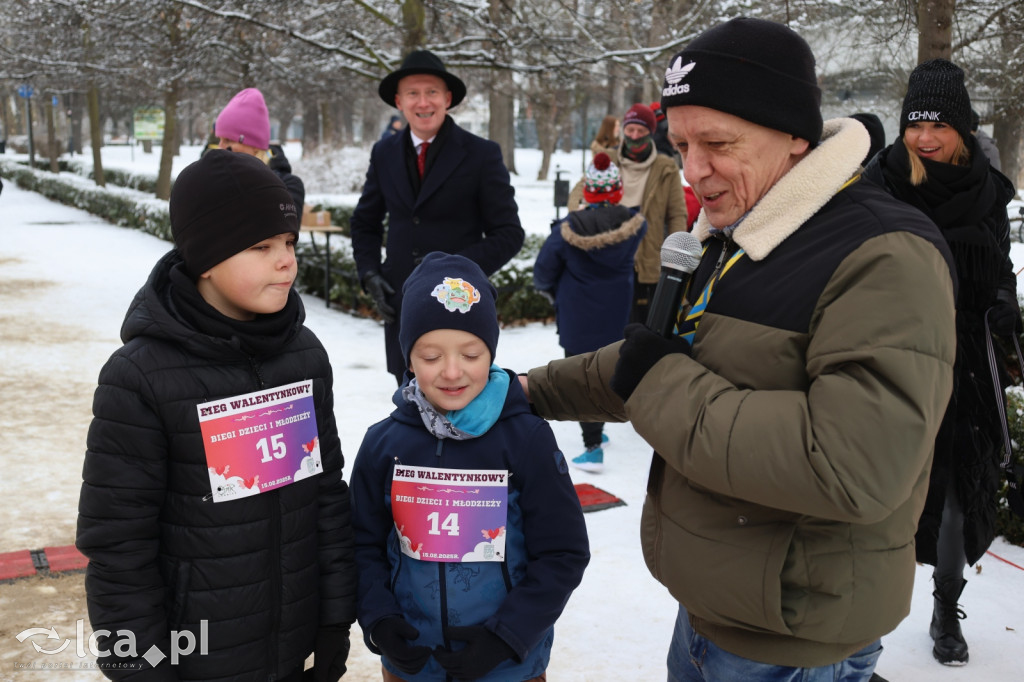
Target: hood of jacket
[(598, 226), (800, 193), (169, 307)]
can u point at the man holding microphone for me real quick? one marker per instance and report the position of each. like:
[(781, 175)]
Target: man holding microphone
[(794, 408)]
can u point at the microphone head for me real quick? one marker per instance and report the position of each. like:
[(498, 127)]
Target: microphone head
[(681, 251)]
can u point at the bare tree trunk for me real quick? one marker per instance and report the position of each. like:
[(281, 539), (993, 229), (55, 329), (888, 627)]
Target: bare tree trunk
[(544, 116), (413, 24), (934, 29), (285, 119), (501, 127), (52, 145), (96, 134), (163, 178), (310, 125), (1008, 131), (371, 120)]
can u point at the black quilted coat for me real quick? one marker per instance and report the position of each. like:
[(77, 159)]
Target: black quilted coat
[(968, 203), (264, 571)]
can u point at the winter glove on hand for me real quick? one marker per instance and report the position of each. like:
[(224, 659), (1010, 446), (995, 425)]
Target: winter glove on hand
[(330, 653), (392, 636), (641, 350), (484, 650), (1004, 318), (548, 296), (379, 290)]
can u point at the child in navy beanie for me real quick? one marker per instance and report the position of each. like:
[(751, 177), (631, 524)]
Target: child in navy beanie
[(459, 480)]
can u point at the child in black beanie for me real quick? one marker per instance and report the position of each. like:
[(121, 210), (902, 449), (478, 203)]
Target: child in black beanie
[(212, 510), (469, 533)]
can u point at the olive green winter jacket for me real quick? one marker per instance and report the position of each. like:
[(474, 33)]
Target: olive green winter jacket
[(793, 448)]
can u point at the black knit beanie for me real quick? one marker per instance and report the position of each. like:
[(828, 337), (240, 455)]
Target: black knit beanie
[(936, 92), (448, 292), (758, 70), (224, 203)]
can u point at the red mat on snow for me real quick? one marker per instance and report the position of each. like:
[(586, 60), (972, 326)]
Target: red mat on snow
[(593, 498)]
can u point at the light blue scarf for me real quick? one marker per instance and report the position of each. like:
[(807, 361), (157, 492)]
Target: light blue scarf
[(475, 419)]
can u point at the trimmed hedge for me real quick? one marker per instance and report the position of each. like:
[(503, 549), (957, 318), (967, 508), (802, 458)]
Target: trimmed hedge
[(517, 301)]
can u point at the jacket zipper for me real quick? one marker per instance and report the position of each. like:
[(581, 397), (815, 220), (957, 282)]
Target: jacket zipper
[(274, 507), (656, 475), (442, 578)]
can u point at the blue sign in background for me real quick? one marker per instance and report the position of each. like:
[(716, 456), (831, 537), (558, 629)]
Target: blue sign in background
[(25, 90)]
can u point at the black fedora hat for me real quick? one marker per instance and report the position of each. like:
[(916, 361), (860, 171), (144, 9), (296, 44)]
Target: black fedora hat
[(421, 61)]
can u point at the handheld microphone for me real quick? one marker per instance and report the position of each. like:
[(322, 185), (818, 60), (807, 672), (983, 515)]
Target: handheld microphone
[(680, 254)]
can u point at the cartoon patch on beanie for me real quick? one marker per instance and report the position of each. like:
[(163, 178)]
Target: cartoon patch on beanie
[(456, 294)]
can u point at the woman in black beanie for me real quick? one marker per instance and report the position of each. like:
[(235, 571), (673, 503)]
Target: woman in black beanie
[(937, 166)]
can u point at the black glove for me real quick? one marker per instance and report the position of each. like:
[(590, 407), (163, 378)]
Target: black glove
[(1004, 317), (484, 650), (641, 350), (330, 654), (379, 290), (392, 636)]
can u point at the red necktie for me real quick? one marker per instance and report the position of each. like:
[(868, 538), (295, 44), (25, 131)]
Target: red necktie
[(421, 160)]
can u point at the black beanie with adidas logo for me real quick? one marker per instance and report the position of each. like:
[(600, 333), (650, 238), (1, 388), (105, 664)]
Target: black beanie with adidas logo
[(936, 93), (758, 70)]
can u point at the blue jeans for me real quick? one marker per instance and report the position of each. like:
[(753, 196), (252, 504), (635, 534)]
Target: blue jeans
[(692, 658)]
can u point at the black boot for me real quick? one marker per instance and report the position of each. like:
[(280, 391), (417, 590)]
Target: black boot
[(950, 647)]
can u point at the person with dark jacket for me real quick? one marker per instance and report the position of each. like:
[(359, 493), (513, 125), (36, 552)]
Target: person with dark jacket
[(244, 126), (662, 144), (394, 127), (876, 131), (469, 534), (190, 537), (585, 267), (794, 415), (650, 182), (987, 145), (937, 167), (441, 188)]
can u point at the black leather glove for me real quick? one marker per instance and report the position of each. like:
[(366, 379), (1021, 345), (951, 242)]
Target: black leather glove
[(392, 636), (1004, 318), (484, 650), (641, 350), (379, 290), (330, 653)]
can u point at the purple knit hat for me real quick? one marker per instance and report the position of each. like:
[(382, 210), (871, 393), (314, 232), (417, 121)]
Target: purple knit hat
[(245, 119)]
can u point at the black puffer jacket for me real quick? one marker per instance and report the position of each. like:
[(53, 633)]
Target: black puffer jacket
[(264, 571), (968, 203)]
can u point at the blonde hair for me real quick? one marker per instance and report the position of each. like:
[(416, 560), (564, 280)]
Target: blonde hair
[(918, 174), (606, 136)]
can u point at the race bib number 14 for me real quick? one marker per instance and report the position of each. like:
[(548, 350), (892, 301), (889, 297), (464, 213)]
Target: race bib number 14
[(453, 515), (260, 441)]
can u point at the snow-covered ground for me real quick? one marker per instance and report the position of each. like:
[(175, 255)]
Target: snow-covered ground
[(65, 281)]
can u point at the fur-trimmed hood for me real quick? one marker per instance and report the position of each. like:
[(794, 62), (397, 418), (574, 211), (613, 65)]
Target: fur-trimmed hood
[(591, 229), (801, 192)]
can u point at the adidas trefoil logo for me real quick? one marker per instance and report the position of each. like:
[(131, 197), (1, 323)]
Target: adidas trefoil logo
[(675, 73)]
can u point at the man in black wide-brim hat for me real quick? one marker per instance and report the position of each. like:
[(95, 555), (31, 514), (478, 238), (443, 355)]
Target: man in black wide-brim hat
[(441, 187)]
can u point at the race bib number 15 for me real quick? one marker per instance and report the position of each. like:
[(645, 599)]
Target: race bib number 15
[(260, 441)]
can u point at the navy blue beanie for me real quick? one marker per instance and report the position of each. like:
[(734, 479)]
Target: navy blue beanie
[(448, 292)]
